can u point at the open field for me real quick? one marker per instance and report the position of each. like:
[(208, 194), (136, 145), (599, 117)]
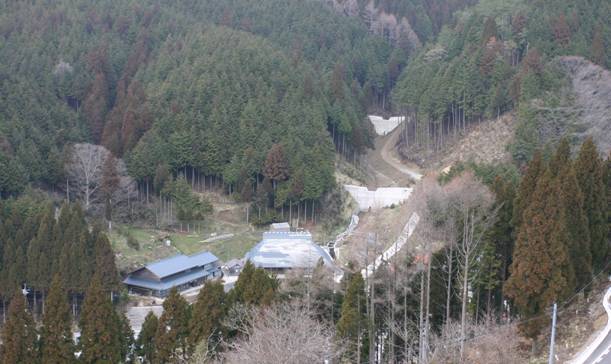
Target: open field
[(226, 219), (153, 246)]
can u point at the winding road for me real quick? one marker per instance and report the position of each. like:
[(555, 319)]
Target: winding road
[(388, 155), (599, 351), (385, 168)]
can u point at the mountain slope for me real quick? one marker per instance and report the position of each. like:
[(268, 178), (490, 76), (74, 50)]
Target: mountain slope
[(82, 71), (498, 57)]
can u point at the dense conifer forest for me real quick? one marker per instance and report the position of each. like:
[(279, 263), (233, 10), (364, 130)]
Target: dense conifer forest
[(497, 57), (199, 87)]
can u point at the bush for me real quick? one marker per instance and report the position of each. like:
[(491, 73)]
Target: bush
[(265, 219), (132, 242)]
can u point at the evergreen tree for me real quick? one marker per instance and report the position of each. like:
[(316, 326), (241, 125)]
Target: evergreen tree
[(146, 339), (19, 336), (561, 158), (105, 265), (208, 313), (13, 266), (541, 271), (352, 324), (254, 286), (502, 232), (56, 340), (109, 184), (527, 187), (589, 170), (171, 338), (490, 30), (276, 167), (576, 224), (126, 338), (100, 340), (40, 255)]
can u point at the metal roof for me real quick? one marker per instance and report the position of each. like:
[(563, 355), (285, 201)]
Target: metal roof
[(169, 283), (287, 250), (176, 264)]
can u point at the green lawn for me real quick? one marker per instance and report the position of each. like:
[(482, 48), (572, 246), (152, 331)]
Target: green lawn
[(152, 247), (234, 247)]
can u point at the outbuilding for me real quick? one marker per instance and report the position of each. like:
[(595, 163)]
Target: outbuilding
[(280, 251), (180, 271)]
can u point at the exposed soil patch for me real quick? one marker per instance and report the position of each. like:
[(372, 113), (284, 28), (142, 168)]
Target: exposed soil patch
[(592, 88), (485, 142)]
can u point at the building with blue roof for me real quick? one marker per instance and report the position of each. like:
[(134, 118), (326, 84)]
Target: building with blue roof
[(180, 271)]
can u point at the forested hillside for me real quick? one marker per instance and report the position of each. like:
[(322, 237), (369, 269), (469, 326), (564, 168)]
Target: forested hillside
[(114, 115), (499, 56), (194, 80)]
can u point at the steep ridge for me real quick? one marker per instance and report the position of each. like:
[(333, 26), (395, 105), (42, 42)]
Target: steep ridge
[(591, 85)]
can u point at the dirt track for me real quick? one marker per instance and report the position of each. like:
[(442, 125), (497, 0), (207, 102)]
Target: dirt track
[(384, 167)]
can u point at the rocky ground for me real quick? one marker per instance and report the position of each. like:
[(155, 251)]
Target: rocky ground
[(591, 85)]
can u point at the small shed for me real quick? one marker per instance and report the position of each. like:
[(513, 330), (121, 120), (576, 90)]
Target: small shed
[(233, 266), (280, 227)]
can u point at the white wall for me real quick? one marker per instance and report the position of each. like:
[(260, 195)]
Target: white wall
[(384, 126), (382, 197)]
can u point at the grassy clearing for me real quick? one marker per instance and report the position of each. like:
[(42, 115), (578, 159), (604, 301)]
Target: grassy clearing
[(225, 249), (226, 219), (152, 247)]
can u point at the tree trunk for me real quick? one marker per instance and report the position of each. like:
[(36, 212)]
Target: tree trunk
[(463, 318), (421, 321), (372, 309), (449, 286), (428, 305)]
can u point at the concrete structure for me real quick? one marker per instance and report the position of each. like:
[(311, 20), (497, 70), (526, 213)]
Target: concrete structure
[(382, 197), (181, 271), (384, 126), (280, 251)]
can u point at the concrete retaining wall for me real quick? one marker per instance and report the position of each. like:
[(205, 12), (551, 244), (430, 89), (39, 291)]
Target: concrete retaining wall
[(382, 197), (384, 126)]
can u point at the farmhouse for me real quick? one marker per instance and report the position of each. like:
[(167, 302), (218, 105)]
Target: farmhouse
[(181, 271), (281, 250)]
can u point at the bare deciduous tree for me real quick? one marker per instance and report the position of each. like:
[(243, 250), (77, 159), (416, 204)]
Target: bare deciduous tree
[(284, 333), (489, 343), (471, 201), (84, 170)]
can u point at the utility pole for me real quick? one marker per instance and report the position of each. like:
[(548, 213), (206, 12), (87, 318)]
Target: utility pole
[(553, 339)]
